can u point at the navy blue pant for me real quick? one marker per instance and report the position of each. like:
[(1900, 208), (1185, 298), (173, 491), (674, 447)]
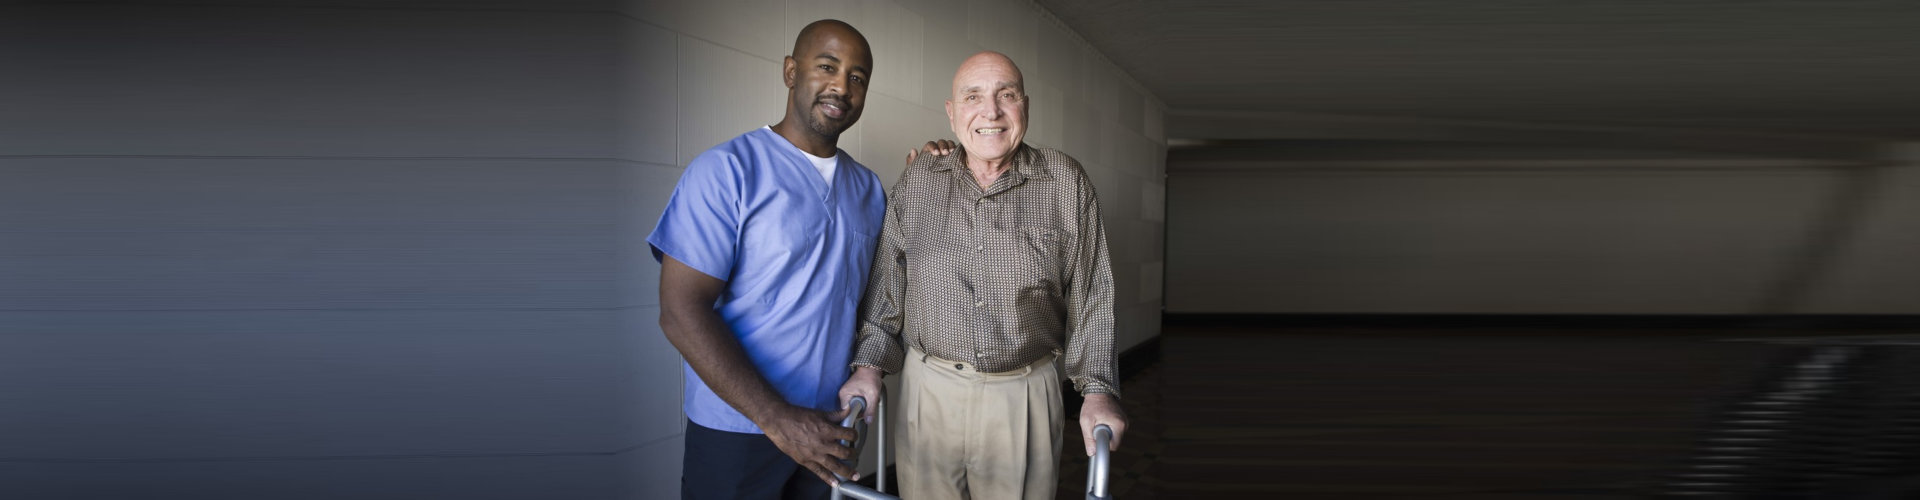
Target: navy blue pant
[(723, 465)]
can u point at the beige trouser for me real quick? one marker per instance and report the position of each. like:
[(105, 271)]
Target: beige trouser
[(970, 435)]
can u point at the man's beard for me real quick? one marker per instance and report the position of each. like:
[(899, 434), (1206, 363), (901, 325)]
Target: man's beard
[(823, 128), (820, 125)]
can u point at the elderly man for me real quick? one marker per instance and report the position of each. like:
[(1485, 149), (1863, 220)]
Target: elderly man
[(992, 266), (764, 251)]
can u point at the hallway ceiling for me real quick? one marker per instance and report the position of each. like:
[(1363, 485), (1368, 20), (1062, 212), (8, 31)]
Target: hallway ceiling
[(1794, 68)]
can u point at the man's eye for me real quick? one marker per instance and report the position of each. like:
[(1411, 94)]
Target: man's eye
[(973, 98), (826, 68)]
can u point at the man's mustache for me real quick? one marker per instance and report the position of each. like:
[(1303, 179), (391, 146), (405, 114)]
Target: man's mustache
[(835, 100)]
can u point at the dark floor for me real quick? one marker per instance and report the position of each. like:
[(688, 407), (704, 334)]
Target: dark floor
[(1249, 412)]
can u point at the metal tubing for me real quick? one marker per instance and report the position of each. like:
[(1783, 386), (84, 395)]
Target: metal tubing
[(880, 468), (1097, 467), (857, 408), (861, 492)]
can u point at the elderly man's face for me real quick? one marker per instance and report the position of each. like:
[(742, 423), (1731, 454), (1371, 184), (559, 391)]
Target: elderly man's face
[(988, 110)]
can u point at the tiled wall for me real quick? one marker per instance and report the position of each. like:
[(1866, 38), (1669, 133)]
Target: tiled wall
[(1872, 270), (364, 249), (1648, 236), (727, 68), (1487, 240)]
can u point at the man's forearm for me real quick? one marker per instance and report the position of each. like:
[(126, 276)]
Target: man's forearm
[(716, 355)]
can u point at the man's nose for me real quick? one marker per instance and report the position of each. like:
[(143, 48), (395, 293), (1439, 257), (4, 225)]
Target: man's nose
[(838, 83)]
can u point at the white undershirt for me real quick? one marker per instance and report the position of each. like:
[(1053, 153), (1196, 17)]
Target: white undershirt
[(826, 166)]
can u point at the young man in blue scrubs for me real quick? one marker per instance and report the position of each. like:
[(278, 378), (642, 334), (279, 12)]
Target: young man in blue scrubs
[(764, 252)]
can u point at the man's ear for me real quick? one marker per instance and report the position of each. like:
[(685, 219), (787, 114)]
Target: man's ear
[(786, 71)]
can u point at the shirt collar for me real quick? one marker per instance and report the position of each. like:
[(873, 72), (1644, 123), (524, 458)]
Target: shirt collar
[(1026, 162)]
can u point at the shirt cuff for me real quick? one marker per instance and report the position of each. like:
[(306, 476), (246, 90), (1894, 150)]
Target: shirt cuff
[(1092, 387)]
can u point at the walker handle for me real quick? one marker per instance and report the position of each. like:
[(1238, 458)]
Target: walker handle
[(1097, 467)]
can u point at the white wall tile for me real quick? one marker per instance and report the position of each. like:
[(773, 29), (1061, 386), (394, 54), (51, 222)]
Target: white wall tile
[(1527, 242), (946, 47), (1153, 201), (896, 126), (190, 384), (1129, 107), (1126, 207), (851, 141), (653, 471), (756, 27), (1079, 131), (1006, 26), (210, 80), (1059, 59), (1874, 272), (1108, 138), (291, 195), (652, 379), (1160, 159), (506, 268), (1100, 85), (938, 11), (1150, 280), (1145, 325), (1121, 234), (648, 104), (1156, 122), (724, 93), (245, 233), (1157, 234), (899, 53), (1046, 115), (397, 478), (525, 5), (645, 189)]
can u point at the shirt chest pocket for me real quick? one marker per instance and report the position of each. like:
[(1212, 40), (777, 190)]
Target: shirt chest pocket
[(1042, 251), (778, 235)]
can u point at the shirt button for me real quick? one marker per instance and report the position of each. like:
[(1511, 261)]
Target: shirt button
[(982, 248), (980, 304), (979, 355)]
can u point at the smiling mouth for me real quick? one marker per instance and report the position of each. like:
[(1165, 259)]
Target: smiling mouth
[(989, 131), (833, 110)]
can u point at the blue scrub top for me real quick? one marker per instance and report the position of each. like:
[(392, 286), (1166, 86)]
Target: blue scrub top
[(794, 252)]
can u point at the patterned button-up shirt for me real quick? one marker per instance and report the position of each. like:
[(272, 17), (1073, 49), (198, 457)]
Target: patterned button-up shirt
[(997, 277)]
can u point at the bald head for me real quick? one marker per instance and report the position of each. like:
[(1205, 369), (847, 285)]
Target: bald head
[(828, 28), (988, 61), (988, 110)]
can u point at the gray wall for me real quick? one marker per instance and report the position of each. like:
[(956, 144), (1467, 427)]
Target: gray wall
[(395, 250), (1873, 269), (1583, 233)]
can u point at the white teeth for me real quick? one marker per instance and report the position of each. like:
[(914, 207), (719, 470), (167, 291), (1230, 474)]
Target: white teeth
[(988, 130)]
